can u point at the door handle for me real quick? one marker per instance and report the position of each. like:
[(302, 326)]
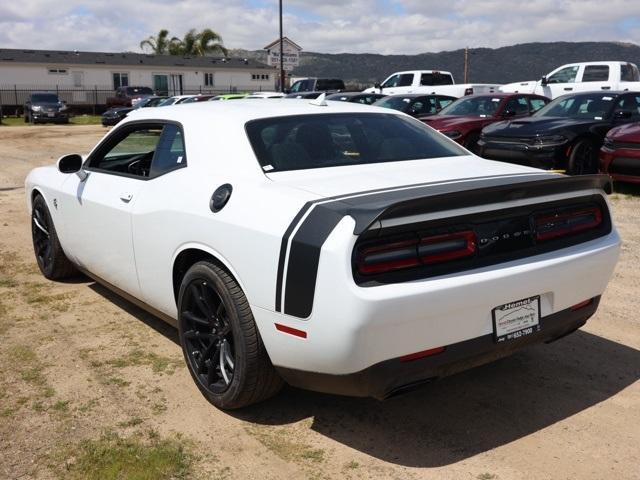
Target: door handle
[(568, 89), (126, 197), (605, 88)]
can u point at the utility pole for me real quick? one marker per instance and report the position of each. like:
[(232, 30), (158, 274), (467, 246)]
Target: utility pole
[(281, 53), (466, 64)]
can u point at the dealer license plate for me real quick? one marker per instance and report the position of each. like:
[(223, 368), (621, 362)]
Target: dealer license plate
[(516, 319), (50, 114)]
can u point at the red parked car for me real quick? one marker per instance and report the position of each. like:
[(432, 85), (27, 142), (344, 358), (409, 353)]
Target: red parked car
[(620, 153), (463, 120)]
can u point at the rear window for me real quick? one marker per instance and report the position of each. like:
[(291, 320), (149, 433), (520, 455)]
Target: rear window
[(436, 78), (629, 73), (330, 85), (326, 140)]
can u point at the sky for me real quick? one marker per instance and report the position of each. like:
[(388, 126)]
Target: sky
[(330, 26)]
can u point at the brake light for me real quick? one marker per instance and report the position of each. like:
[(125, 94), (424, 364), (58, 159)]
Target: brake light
[(549, 227), (401, 254)]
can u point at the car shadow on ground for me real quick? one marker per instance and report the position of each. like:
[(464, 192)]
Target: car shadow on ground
[(627, 188), (469, 413), (145, 317), (456, 417)]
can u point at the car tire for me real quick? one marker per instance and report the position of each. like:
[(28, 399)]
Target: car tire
[(471, 143), (26, 117), (583, 158), (220, 341), (31, 120), (52, 261)]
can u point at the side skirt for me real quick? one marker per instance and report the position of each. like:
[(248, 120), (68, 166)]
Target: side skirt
[(136, 301)]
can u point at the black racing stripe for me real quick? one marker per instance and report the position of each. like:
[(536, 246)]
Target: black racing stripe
[(304, 256), (306, 244), (283, 252)]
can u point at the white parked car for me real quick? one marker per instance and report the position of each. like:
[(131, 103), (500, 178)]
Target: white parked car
[(429, 82), (263, 95), (339, 247), (582, 77)]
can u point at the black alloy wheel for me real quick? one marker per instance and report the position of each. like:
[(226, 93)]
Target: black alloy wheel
[(220, 340), (208, 336), (52, 261)]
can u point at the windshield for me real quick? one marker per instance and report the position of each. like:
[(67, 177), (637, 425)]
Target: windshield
[(399, 103), (595, 105), (44, 98), (338, 139), (167, 101), (473, 106), (301, 86), (132, 91)]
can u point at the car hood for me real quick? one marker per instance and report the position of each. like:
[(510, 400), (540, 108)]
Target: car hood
[(450, 122), (626, 133), (114, 111), (532, 126), (328, 182)]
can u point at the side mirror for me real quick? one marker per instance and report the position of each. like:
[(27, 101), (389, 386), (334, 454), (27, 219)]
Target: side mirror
[(377, 85), (544, 81), (623, 114), (509, 113), (71, 163)]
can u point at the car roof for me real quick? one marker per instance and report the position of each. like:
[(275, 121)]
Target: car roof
[(417, 95), (248, 109)]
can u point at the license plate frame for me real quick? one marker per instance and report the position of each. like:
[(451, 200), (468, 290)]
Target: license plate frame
[(516, 319)]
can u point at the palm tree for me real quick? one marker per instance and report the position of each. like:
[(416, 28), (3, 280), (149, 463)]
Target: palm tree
[(158, 44), (199, 44)]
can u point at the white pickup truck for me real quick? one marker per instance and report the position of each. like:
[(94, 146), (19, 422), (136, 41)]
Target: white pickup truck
[(429, 82), (581, 77)]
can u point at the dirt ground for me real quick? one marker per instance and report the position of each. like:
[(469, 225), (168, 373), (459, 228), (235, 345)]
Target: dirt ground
[(77, 363)]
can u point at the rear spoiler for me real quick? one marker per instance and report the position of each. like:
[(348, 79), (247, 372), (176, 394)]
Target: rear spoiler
[(317, 219)]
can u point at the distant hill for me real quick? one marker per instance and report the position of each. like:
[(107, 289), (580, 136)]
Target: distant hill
[(527, 61)]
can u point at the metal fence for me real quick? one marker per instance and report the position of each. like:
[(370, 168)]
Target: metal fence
[(86, 100)]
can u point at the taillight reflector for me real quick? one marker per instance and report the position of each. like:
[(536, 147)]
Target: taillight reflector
[(291, 331), (400, 254), (580, 305), (422, 354), (568, 223)]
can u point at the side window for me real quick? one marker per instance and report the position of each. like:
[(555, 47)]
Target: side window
[(406, 80), (537, 104), (566, 75), (170, 153), (144, 151), (630, 103), (595, 73), (444, 102), (518, 105)]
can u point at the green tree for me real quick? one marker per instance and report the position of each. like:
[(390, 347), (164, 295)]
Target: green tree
[(202, 43), (161, 44)]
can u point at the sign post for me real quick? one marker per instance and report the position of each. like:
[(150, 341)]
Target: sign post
[(286, 50)]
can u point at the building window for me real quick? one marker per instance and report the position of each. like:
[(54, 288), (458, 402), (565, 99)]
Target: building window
[(265, 77), (208, 79), (120, 80), (258, 77), (57, 71)]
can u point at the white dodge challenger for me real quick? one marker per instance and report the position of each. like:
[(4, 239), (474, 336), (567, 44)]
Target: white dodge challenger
[(337, 247)]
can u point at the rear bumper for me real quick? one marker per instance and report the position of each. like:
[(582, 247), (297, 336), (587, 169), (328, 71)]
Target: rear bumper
[(395, 376), (622, 165)]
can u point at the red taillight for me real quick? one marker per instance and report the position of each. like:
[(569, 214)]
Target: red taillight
[(563, 224), (451, 246), (401, 254), (291, 331), (580, 305)]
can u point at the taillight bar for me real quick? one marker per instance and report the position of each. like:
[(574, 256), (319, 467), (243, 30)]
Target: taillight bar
[(552, 226), (400, 254)]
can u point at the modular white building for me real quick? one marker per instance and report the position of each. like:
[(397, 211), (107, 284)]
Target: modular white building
[(88, 77)]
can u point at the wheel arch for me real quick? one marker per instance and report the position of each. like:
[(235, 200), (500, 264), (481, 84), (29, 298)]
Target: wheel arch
[(190, 254)]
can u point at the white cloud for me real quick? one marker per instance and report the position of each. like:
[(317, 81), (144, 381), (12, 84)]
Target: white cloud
[(378, 26)]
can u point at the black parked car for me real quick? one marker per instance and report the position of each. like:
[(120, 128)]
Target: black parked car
[(417, 105), (45, 107), (114, 115), (313, 84), (564, 135), (356, 97)]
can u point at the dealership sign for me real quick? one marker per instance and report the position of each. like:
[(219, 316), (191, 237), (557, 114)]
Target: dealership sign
[(290, 54)]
